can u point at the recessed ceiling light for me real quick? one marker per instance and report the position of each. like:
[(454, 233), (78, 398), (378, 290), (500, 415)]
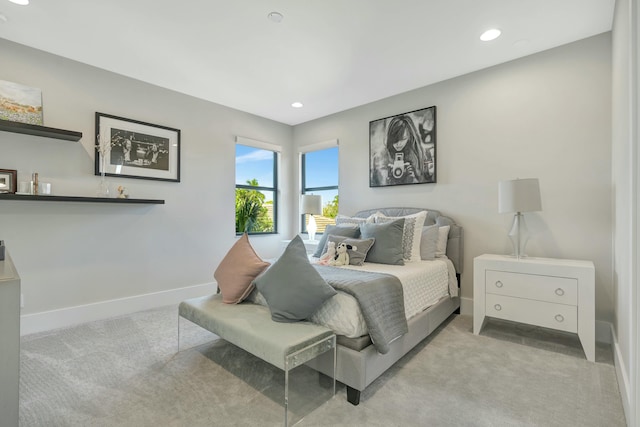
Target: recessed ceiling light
[(275, 17), (491, 34), (20, 2), (297, 105)]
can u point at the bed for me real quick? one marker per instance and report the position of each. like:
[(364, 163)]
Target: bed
[(430, 293)]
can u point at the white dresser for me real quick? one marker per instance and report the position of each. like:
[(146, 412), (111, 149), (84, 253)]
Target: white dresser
[(9, 342), (552, 293)]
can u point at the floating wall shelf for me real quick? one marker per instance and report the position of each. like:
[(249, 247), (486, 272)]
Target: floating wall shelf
[(29, 197), (28, 129)]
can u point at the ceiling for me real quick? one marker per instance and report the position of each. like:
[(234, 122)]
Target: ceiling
[(331, 55)]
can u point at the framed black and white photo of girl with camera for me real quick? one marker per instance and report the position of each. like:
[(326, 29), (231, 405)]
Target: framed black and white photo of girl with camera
[(402, 149)]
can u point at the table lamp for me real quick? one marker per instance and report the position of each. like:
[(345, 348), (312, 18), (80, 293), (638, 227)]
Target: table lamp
[(519, 195), (312, 205)]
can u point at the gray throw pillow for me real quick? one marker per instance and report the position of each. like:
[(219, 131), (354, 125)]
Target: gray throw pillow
[(356, 256), (347, 230), (292, 287), (429, 242), (388, 246)]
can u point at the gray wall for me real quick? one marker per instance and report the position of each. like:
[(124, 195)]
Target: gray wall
[(72, 254), (625, 229), (547, 115)]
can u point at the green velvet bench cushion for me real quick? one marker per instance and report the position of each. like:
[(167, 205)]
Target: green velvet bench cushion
[(249, 326)]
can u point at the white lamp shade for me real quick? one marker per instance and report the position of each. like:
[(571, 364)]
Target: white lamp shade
[(519, 195), (311, 204)]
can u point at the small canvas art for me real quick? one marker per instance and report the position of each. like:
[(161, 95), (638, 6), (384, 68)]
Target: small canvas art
[(20, 103)]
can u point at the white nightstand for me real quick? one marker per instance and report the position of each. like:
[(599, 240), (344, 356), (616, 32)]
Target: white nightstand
[(553, 293), (310, 245)]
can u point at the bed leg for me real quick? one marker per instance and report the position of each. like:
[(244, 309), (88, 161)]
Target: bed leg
[(353, 396)]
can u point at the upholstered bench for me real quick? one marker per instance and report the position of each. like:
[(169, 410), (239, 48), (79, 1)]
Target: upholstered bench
[(249, 326)]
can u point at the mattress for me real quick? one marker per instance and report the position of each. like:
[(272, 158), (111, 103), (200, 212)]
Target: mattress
[(424, 283)]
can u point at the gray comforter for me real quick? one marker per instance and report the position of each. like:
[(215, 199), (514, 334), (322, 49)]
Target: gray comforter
[(380, 298)]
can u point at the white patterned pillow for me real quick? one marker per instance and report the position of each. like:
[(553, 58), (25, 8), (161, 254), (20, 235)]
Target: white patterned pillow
[(412, 233), (443, 237), (348, 220)]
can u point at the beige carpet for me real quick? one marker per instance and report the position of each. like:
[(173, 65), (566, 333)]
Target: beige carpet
[(125, 372)]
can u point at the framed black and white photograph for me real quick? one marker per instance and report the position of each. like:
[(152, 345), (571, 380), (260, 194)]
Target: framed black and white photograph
[(133, 149), (8, 181), (402, 149)]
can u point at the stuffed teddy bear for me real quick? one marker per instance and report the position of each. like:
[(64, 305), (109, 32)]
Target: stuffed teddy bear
[(342, 254), (329, 254)]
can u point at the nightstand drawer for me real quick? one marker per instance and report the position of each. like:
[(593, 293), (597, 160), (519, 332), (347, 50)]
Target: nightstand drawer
[(545, 314), (553, 289)]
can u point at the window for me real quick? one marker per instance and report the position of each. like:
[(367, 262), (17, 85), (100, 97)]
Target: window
[(319, 170), (256, 190)]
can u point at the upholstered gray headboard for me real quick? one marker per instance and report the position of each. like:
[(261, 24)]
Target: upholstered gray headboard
[(454, 244)]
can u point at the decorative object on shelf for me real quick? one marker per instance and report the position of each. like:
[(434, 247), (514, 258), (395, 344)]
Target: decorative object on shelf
[(519, 195), (311, 205), (25, 187), (8, 181), (138, 149), (402, 149), (20, 103), (44, 188), (34, 183), (103, 148), (122, 192)]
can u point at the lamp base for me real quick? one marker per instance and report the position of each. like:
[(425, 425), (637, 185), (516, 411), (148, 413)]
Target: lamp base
[(519, 235), (312, 228)]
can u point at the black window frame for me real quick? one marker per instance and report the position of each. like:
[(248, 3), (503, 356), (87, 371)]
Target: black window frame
[(305, 189), (273, 189)]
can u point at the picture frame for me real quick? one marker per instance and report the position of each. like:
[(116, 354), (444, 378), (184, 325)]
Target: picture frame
[(402, 149), (129, 148), (8, 181)]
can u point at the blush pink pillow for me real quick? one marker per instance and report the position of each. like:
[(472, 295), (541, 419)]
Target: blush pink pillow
[(237, 270)]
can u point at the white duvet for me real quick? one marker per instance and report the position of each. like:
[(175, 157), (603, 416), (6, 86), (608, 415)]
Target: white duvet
[(424, 283)]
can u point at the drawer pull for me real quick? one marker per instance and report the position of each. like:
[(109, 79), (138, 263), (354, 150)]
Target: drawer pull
[(498, 284), (559, 291), (498, 307), (559, 318)]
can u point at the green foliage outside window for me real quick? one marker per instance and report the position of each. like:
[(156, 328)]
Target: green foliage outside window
[(252, 215), (330, 210)]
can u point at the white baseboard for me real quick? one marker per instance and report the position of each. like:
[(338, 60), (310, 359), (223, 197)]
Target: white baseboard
[(623, 379), (466, 306), (603, 329), (69, 316)]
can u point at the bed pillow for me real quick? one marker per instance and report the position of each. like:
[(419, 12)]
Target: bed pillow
[(237, 270), (347, 230), (429, 242), (292, 287), (387, 248), (412, 233), (443, 237), (357, 256), (346, 220)]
